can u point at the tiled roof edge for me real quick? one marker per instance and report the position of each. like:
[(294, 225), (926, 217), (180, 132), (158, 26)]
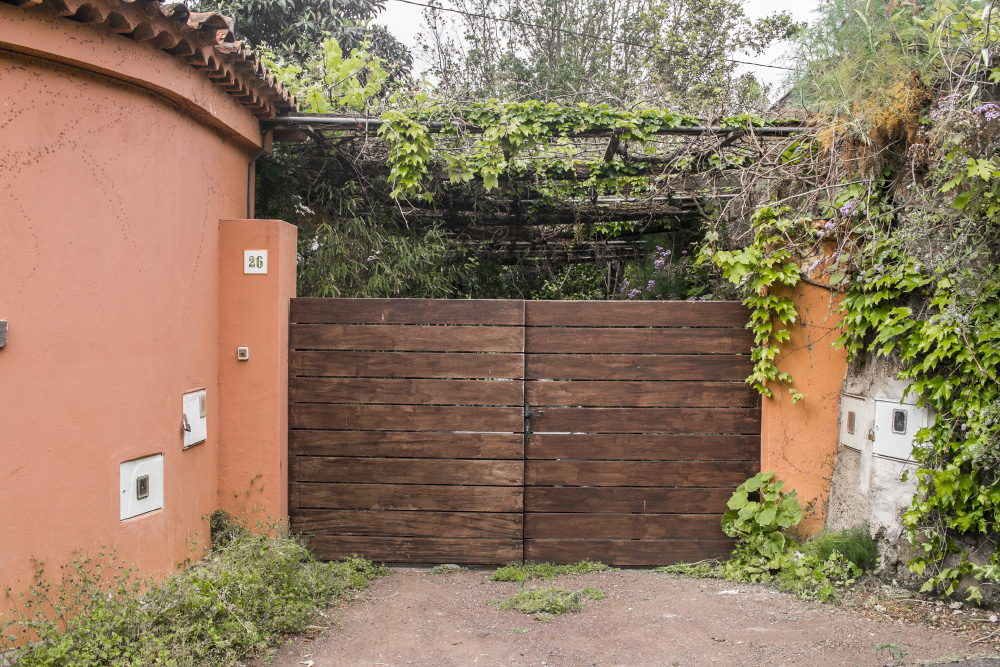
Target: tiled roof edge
[(203, 40)]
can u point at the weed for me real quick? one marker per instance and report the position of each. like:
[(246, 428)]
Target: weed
[(703, 569), (518, 631), (251, 590), (895, 652), (448, 569), (552, 600), (856, 545), (523, 572)]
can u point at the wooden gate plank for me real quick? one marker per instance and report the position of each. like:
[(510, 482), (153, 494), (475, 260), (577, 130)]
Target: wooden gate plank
[(641, 394), (418, 549), (405, 391), (406, 311), (643, 447), (507, 526), (406, 471), (636, 313), (640, 341), (638, 473), (405, 417), (392, 444), (415, 497), (456, 365), (624, 526), (402, 338), (626, 500), (646, 420), (636, 367), (626, 552)]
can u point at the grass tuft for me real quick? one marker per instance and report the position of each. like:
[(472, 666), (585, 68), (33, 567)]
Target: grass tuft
[(522, 572), (856, 545), (553, 600)]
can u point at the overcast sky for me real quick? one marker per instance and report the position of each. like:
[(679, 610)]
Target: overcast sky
[(404, 21)]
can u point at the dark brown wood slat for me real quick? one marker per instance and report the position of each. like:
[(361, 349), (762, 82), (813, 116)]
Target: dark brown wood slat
[(405, 417), (629, 500), (390, 444), (405, 392), (413, 497), (406, 311), (626, 553), (636, 367), (646, 420), (408, 524), (639, 341), (406, 471), (624, 526), (636, 314), (419, 549), (638, 473), (406, 364), (639, 447), (642, 394), (403, 338)]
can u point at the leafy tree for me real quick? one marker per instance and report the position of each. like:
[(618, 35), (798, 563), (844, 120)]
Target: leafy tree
[(670, 53), (294, 27)]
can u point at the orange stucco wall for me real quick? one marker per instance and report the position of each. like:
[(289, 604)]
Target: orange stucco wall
[(799, 441), (253, 463), (111, 196)]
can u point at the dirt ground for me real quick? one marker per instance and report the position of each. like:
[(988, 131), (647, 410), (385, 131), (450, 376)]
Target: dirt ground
[(415, 617)]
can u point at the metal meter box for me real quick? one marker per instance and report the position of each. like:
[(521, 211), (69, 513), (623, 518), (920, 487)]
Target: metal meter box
[(895, 426), (140, 486), (194, 423), (854, 421)]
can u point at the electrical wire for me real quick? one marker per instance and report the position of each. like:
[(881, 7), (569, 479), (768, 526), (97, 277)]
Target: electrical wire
[(571, 32)]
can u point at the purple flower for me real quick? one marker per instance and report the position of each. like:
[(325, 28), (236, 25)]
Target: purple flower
[(650, 285), (849, 209), (989, 111), (829, 225), (659, 262), (684, 252), (624, 286), (666, 252), (634, 293), (813, 266), (659, 249)]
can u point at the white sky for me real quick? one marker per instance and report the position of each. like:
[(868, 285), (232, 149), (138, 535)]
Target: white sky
[(405, 22)]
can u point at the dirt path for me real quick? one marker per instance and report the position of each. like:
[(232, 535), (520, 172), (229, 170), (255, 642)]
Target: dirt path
[(417, 618)]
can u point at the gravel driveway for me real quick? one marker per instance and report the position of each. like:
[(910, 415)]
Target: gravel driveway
[(414, 617)]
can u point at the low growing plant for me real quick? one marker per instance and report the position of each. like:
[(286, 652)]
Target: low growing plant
[(241, 599), (525, 571), (759, 513), (551, 600)]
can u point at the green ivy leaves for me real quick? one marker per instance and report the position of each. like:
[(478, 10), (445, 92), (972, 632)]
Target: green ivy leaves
[(766, 263)]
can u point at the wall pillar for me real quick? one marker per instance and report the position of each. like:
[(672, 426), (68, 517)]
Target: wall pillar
[(799, 441), (253, 394)]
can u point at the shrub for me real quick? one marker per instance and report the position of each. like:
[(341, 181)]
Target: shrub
[(237, 602)]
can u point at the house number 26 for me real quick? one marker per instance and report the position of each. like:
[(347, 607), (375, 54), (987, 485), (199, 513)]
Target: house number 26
[(254, 261)]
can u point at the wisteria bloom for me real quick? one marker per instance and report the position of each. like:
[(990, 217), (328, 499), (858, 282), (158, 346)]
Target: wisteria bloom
[(634, 293)]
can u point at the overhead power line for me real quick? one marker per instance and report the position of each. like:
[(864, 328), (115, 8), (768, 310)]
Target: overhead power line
[(588, 35)]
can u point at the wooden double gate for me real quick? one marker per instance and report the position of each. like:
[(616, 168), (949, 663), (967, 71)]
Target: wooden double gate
[(490, 431)]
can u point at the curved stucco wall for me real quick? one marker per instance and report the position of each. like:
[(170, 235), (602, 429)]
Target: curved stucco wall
[(111, 193)]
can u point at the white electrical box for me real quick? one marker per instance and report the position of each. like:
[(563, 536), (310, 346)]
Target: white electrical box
[(194, 423), (895, 426), (854, 421), (140, 486)]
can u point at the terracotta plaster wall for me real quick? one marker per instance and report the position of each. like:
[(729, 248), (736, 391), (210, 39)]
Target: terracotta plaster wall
[(110, 202), (253, 463), (799, 441)]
